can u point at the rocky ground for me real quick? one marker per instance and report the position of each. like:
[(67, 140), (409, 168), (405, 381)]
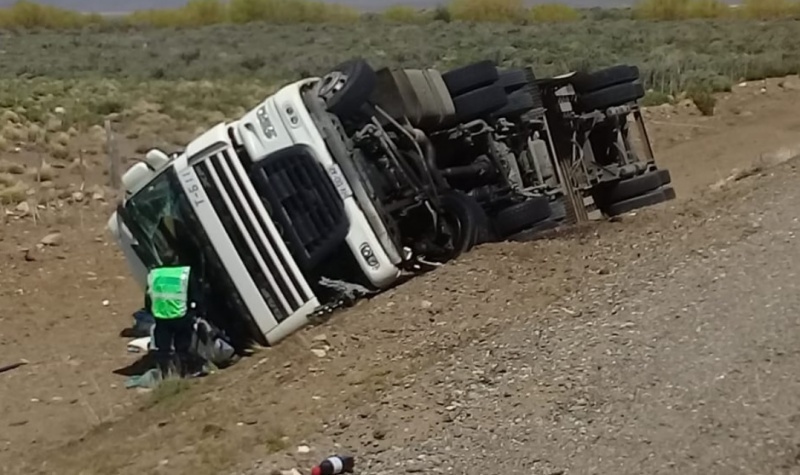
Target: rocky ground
[(658, 343)]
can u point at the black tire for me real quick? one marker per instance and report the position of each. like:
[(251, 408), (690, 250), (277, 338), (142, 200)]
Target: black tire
[(513, 79), (590, 82), (666, 177), (669, 193), (630, 188), (467, 220), (468, 78), (519, 102), (521, 216), (479, 103), (535, 231), (558, 209), (348, 87), (642, 201), (611, 96)]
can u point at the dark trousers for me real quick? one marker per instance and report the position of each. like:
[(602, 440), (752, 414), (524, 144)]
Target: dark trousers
[(175, 332)]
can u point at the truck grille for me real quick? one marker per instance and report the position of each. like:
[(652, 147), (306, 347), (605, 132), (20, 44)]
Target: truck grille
[(304, 202), (252, 233)]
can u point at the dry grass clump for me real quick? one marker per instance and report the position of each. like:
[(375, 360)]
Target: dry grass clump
[(10, 168), (403, 14), (12, 190), (487, 10), (553, 12), (27, 15), (58, 150), (687, 9), (42, 173), (212, 12)]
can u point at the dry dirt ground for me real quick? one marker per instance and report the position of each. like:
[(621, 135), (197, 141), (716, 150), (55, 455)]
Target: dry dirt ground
[(664, 342)]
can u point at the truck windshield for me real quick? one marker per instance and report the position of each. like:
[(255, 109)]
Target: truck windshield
[(155, 216), (164, 225)]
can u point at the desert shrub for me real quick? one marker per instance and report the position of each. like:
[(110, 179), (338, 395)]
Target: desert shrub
[(27, 15), (487, 10), (204, 12), (703, 99), (289, 11), (553, 12), (680, 9), (13, 194), (661, 9), (607, 13), (403, 14), (157, 18), (655, 98), (768, 9), (442, 13), (708, 9)]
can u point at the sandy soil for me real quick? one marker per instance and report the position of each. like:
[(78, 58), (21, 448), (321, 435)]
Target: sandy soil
[(478, 356)]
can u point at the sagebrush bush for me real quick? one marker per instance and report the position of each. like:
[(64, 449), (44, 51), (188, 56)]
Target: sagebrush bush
[(553, 12), (403, 14), (289, 11), (198, 13), (768, 9), (487, 10), (671, 55), (708, 9), (204, 12), (703, 99), (26, 15), (685, 9)]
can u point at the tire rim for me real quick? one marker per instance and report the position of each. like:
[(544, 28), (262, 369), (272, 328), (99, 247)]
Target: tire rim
[(332, 83), (457, 230)]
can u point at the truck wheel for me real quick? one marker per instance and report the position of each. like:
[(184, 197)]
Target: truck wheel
[(521, 216), (466, 219), (479, 103), (468, 78), (512, 79), (348, 87), (649, 199), (629, 188), (558, 210), (519, 102), (611, 96), (535, 231), (590, 82)]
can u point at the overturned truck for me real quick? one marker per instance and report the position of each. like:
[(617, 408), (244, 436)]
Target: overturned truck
[(347, 184)]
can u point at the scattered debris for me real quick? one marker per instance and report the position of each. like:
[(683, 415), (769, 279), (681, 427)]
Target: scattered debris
[(139, 345), (334, 465), (11, 366), (54, 239), (28, 256), (319, 353), (23, 209), (303, 449)]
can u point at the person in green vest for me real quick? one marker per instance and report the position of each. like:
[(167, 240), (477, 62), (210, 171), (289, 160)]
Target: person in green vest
[(172, 298)]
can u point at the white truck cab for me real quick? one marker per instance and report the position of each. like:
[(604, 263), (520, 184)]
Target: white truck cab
[(260, 200)]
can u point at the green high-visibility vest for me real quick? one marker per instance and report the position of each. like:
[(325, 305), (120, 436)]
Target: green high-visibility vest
[(169, 291)]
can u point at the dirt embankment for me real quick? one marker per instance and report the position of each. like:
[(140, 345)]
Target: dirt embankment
[(64, 303)]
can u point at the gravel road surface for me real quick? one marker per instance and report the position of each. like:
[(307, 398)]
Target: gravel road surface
[(684, 361)]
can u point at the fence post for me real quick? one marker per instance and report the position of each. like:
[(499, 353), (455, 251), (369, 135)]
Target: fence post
[(113, 157)]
